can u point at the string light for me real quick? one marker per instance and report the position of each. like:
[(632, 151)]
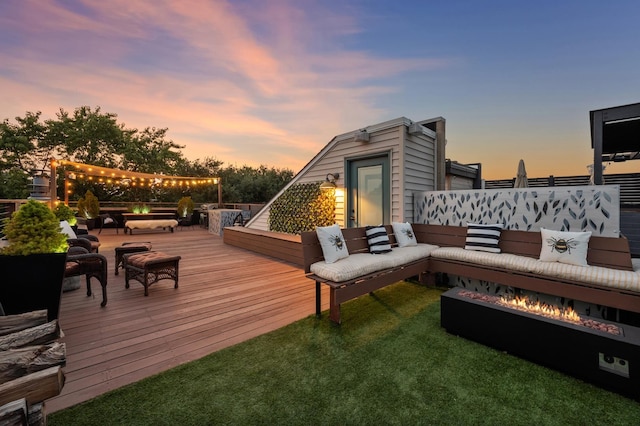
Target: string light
[(127, 178)]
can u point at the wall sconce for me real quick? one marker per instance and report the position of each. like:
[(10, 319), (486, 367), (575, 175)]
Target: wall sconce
[(361, 136), (330, 181)]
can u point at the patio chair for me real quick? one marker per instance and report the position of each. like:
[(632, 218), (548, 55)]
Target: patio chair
[(186, 220), (90, 242), (82, 262), (195, 218), (107, 221)]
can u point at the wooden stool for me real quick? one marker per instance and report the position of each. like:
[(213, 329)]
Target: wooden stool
[(127, 248), (150, 267)]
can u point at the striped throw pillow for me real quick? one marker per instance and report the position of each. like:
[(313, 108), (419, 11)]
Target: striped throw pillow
[(378, 239), (483, 237)]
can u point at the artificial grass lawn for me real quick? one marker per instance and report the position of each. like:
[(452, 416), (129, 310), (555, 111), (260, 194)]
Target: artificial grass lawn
[(389, 362)]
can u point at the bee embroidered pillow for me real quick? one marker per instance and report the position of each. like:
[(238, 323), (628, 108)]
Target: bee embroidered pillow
[(404, 234), (332, 242), (564, 247)]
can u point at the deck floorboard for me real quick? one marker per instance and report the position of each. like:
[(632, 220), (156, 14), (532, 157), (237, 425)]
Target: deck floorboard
[(226, 295)]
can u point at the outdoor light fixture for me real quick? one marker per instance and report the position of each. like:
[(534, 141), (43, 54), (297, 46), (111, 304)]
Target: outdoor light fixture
[(330, 181), (361, 136)]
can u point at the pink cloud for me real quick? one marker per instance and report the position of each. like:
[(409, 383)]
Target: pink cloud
[(272, 74)]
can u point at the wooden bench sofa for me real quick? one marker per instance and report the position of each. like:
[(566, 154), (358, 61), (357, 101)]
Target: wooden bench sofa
[(611, 255), (342, 291)]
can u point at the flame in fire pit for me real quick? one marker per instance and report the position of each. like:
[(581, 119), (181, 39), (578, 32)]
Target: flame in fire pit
[(539, 308), (543, 309)]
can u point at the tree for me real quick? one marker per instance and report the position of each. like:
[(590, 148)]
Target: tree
[(14, 184), (149, 151), (22, 144), (92, 137), (249, 185), (22, 151), (88, 136)]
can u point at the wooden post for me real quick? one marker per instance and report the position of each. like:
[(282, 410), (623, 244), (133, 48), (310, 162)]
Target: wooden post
[(52, 185), (441, 142), (597, 132), (66, 188), (219, 193)]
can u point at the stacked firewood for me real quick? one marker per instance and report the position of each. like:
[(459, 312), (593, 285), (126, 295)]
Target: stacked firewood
[(31, 358)]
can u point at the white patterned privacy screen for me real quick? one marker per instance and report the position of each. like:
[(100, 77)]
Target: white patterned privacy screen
[(565, 208)]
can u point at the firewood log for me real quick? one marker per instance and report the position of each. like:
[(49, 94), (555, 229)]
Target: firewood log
[(13, 323), (14, 412), (36, 415), (37, 335), (15, 363), (35, 387)]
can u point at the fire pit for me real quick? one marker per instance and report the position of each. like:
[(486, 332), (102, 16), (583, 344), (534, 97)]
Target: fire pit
[(523, 303), (604, 353)]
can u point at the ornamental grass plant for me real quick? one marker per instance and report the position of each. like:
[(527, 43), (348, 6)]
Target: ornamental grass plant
[(390, 362)]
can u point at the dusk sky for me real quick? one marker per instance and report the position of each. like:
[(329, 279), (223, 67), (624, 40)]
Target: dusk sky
[(271, 82)]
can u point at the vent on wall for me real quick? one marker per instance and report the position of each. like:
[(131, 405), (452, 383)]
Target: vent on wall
[(415, 129), (361, 136)]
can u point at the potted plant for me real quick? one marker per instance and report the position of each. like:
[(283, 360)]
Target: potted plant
[(64, 212), (140, 208), (185, 206), (89, 208), (33, 262)]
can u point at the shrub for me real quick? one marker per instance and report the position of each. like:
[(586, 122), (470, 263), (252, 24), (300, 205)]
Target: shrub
[(34, 229), (185, 206), (64, 212), (89, 206)]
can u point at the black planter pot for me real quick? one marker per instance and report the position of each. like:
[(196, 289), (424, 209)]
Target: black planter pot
[(31, 283)]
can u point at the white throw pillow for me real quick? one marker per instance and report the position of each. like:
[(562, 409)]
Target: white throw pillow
[(483, 237), (334, 247), (404, 234), (66, 229), (378, 239), (564, 247)]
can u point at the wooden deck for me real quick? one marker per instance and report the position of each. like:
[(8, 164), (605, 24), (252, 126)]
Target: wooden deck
[(226, 295)]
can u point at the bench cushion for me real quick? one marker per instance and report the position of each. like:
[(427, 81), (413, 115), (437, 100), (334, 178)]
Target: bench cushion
[(144, 246), (151, 223), (595, 275), (143, 259), (359, 264), (509, 261)]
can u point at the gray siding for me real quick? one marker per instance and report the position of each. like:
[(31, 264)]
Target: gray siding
[(419, 170), (411, 160)]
